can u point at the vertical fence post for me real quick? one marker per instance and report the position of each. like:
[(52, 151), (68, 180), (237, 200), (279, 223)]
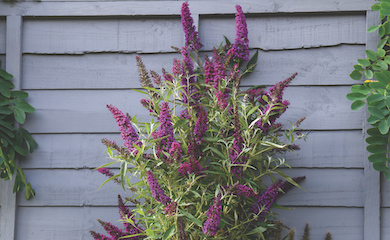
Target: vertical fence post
[(371, 177), (13, 65)]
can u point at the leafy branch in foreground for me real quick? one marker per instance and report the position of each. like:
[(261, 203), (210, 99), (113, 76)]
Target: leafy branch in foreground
[(14, 140)]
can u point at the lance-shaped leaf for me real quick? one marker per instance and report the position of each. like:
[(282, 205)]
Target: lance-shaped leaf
[(375, 112)]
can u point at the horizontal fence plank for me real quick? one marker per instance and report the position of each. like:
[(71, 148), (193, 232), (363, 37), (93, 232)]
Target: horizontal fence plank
[(347, 150), (331, 66), (271, 32), (79, 35), (343, 223), (87, 151), (65, 187), (72, 111), (63, 222), (326, 187), (123, 8), (2, 34)]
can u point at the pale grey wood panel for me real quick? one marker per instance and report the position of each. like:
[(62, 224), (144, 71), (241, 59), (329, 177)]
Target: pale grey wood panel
[(67, 187), (84, 111), (270, 32), (385, 223), (326, 187), (173, 8), (63, 222), (79, 35), (331, 66), (343, 223), (2, 59), (2, 34), (384, 193), (87, 151), (347, 149)]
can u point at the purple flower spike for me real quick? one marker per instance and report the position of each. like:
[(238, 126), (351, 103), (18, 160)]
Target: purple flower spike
[(240, 48), (267, 198), (165, 129), (128, 133), (192, 39), (210, 227), (156, 189)]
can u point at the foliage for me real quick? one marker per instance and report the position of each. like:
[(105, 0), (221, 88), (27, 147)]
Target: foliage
[(376, 92), (207, 168), (291, 234), (14, 140)]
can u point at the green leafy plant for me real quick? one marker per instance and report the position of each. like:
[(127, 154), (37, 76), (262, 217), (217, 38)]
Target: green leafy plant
[(208, 166), (376, 93), (14, 140)]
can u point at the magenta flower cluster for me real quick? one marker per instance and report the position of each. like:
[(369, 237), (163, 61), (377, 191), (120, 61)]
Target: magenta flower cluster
[(265, 201), (128, 134), (210, 227), (156, 190), (191, 36), (240, 48)]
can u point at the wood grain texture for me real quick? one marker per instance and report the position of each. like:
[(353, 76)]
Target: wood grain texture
[(80, 35), (72, 111), (123, 8), (343, 223), (86, 150), (329, 66), (273, 32), (63, 222), (66, 187)]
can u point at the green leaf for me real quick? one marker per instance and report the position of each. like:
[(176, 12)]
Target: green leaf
[(387, 174), (20, 115), (377, 85), (382, 77), (371, 55), (216, 151), (382, 43), (384, 11), (257, 230), (169, 232), (355, 96), (5, 89), (253, 59), (5, 110), (356, 105), (375, 148), (381, 53), (376, 140), (377, 157), (23, 105), (373, 132), (364, 62), (361, 89), (383, 126), (7, 125), (356, 75), (372, 119), (227, 40), (382, 64), (358, 67), (191, 217), (376, 112), (375, 97), (372, 28), (20, 150), (376, 7), (379, 166), (381, 31), (368, 74), (19, 94), (387, 28), (5, 75)]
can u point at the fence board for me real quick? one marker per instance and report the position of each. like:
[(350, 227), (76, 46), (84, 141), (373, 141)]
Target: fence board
[(80, 35), (123, 8), (65, 187), (326, 187), (114, 70), (63, 222), (2, 34), (73, 111), (87, 151), (271, 32), (343, 223)]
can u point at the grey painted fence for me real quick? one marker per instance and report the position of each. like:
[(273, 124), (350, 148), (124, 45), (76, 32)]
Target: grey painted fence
[(73, 58)]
